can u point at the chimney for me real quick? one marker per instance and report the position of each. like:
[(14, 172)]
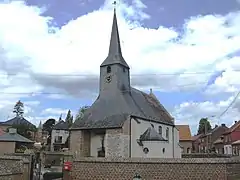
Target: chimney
[(223, 125), (12, 131), (235, 122), (151, 91)]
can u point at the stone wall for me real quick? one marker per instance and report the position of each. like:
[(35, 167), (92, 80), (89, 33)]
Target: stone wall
[(159, 169), (115, 143), (12, 168), (80, 143)]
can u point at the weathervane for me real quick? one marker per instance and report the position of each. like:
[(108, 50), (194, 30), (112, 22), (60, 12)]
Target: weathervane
[(114, 5)]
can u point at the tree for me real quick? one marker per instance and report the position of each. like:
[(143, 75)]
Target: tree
[(18, 108), (48, 126), (69, 118), (204, 123), (81, 112)]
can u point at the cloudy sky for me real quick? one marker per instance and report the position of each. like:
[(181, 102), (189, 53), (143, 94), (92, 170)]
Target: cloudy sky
[(188, 51)]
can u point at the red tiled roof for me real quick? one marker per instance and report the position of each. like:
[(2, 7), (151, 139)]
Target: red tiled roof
[(233, 127), (194, 138), (184, 132)]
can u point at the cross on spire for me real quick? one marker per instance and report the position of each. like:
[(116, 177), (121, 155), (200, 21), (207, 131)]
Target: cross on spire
[(114, 4)]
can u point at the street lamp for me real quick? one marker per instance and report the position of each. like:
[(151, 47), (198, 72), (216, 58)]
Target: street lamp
[(137, 177)]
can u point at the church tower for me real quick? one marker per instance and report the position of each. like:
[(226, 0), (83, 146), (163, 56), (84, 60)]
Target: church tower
[(114, 71)]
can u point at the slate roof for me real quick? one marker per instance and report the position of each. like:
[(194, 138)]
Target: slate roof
[(112, 108), (17, 121), (233, 127), (112, 111), (14, 137), (184, 132), (61, 125), (151, 135), (115, 53)]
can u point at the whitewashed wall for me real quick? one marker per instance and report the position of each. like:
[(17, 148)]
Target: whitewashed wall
[(62, 133), (171, 147)]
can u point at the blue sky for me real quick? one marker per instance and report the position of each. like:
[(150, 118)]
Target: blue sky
[(187, 51)]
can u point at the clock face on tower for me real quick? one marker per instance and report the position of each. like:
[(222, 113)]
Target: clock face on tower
[(108, 79)]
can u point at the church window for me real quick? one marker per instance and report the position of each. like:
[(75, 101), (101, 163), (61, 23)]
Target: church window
[(163, 150), (167, 133), (160, 130), (145, 150), (109, 69), (124, 70)]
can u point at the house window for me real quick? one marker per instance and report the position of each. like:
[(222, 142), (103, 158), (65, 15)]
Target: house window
[(57, 131), (124, 70), (167, 133), (160, 130), (66, 132), (58, 139), (109, 69)]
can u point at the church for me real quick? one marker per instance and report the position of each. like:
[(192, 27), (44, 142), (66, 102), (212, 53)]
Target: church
[(123, 121)]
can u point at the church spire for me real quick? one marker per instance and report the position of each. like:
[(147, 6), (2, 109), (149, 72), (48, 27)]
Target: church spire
[(115, 52)]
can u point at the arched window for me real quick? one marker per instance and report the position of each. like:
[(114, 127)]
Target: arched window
[(167, 133), (109, 69), (160, 130)]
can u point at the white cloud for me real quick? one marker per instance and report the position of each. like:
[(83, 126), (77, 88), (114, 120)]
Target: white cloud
[(32, 47), (54, 111)]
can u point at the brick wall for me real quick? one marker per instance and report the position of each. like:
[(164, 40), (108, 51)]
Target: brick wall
[(12, 168), (159, 169)]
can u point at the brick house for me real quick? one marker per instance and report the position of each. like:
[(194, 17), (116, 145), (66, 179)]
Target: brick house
[(207, 140), (231, 138), (219, 145), (185, 138), (196, 141), (123, 121)]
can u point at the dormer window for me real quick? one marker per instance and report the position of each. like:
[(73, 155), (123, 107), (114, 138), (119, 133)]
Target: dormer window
[(109, 69)]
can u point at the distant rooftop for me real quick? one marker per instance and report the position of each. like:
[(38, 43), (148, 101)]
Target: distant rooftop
[(13, 136), (184, 132), (17, 121), (61, 125)]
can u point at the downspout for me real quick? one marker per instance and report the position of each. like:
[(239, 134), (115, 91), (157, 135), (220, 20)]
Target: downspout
[(130, 136), (173, 141)]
